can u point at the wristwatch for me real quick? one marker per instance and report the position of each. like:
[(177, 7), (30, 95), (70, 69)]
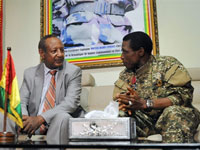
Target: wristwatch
[(149, 104)]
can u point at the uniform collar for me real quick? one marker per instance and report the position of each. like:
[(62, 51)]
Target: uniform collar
[(145, 68)]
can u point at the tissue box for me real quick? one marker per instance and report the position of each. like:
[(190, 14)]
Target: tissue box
[(102, 129)]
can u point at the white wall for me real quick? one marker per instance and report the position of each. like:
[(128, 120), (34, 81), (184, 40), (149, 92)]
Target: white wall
[(179, 30), (178, 27), (22, 33)]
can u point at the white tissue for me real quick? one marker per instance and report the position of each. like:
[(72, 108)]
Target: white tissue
[(111, 111)]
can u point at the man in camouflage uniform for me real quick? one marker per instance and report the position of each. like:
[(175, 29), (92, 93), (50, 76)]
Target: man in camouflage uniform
[(156, 91)]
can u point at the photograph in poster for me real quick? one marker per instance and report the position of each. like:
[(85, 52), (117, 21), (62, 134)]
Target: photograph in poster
[(92, 30)]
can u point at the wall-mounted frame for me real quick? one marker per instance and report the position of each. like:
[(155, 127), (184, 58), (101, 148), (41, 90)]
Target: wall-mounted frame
[(92, 30), (1, 37)]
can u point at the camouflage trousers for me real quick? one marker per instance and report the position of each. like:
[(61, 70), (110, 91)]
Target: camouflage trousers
[(176, 124)]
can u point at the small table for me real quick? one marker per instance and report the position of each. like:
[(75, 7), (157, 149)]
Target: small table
[(102, 145)]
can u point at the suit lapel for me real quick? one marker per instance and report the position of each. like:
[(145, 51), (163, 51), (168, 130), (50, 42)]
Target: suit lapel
[(39, 80), (60, 80)]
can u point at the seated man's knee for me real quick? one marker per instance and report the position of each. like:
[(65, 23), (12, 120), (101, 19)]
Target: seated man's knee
[(175, 125), (168, 119), (177, 114), (172, 117), (171, 112), (60, 117)]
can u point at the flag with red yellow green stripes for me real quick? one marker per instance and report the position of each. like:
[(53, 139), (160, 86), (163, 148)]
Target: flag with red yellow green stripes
[(9, 85)]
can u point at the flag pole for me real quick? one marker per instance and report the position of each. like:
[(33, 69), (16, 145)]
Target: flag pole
[(6, 105), (6, 137), (5, 112)]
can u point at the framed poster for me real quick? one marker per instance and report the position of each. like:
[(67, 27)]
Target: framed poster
[(92, 30)]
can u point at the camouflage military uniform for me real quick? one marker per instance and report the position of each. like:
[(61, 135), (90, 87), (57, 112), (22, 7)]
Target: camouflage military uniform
[(163, 77)]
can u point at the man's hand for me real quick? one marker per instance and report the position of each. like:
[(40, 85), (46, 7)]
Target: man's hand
[(132, 97), (31, 123)]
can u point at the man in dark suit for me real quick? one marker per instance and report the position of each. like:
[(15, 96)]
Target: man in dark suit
[(53, 121)]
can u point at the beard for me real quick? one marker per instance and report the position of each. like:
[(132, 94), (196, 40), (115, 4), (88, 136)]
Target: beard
[(131, 67)]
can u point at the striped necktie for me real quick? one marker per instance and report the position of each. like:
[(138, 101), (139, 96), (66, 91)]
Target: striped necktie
[(49, 98)]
